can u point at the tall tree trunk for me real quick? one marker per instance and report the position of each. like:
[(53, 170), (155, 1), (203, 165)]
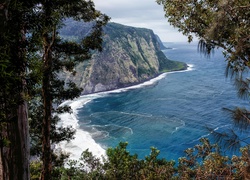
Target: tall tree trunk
[(46, 146), (1, 165), (47, 103), (17, 159), (48, 43), (14, 160), (23, 129), (15, 156)]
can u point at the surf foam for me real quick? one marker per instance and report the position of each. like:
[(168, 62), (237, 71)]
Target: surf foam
[(83, 140)]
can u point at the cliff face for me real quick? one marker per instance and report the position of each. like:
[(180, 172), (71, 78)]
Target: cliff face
[(129, 56)]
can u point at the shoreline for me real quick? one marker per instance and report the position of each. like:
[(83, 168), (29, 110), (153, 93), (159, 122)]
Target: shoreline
[(186, 68), (83, 139)]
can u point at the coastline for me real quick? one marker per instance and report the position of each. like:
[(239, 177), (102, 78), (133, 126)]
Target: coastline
[(127, 86), (83, 139)]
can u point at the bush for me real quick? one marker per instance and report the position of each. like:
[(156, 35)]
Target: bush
[(203, 161)]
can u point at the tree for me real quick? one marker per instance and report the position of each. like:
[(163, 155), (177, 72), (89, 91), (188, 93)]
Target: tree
[(59, 54), (203, 161), (14, 136), (32, 54), (218, 24)]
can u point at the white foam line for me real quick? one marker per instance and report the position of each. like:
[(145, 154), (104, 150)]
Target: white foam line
[(83, 140), (211, 132), (147, 83)]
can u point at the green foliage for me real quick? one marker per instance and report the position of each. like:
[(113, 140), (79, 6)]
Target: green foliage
[(12, 57), (57, 54), (15, 88), (35, 170), (217, 23), (121, 165), (203, 161), (221, 24), (31, 55), (117, 31), (167, 65), (154, 168)]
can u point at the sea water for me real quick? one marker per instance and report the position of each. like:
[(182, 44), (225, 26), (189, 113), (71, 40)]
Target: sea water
[(171, 112)]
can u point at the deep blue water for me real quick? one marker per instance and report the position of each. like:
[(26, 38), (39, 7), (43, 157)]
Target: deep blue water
[(172, 114)]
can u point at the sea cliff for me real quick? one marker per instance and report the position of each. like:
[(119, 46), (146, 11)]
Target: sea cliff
[(130, 56)]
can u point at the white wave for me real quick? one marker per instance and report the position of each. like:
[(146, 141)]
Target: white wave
[(83, 140), (183, 124), (149, 82), (137, 114), (211, 132), (146, 83), (190, 67)]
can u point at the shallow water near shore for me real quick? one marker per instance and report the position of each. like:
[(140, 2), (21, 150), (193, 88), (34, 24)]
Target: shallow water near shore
[(171, 112)]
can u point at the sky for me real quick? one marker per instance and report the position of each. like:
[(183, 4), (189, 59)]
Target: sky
[(140, 13)]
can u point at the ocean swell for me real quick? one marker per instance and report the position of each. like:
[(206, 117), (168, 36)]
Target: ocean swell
[(83, 139)]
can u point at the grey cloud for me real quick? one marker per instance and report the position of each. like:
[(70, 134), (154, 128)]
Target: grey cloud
[(140, 13)]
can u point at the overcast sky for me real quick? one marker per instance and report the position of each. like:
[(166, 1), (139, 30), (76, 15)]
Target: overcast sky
[(140, 13)]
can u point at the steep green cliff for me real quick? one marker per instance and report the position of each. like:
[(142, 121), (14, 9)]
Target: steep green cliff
[(130, 56)]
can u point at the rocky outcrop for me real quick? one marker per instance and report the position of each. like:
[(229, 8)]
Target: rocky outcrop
[(129, 56)]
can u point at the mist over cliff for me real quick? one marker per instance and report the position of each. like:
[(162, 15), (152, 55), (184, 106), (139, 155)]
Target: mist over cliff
[(130, 56)]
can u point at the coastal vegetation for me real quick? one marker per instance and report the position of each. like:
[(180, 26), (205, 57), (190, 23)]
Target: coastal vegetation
[(204, 161), (33, 54)]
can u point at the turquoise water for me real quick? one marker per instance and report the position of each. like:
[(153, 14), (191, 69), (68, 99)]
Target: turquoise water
[(171, 114)]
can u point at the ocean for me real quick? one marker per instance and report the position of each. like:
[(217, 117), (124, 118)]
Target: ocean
[(171, 112)]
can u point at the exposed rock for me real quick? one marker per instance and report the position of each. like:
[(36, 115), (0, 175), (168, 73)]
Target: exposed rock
[(130, 56)]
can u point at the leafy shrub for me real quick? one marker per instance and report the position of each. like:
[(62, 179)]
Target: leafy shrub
[(203, 161)]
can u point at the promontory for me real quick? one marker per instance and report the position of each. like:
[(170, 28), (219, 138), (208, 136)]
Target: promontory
[(130, 56)]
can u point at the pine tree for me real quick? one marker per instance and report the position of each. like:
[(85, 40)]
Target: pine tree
[(14, 136), (58, 54), (32, 53)]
